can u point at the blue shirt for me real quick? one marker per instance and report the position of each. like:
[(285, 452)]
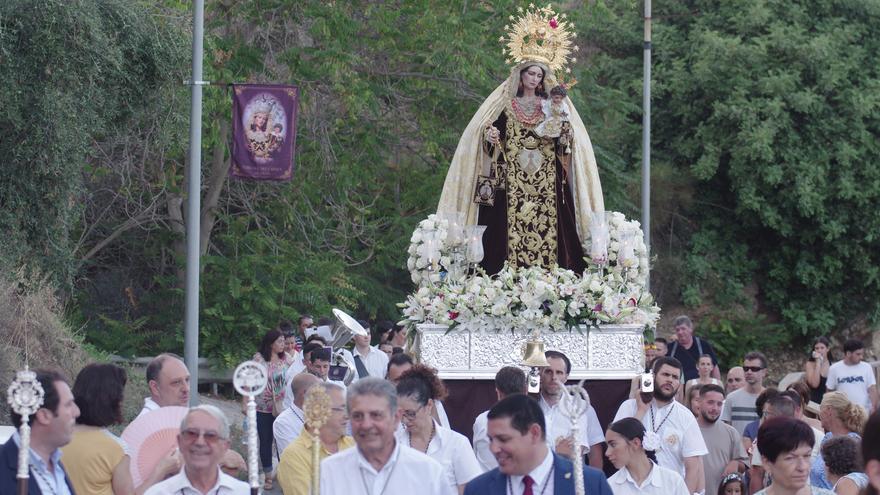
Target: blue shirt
[(54, 481)]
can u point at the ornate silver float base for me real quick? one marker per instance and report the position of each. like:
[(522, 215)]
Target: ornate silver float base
[(611, 352)]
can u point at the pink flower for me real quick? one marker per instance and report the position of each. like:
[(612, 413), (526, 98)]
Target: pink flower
[(453, 315), (554, 23)]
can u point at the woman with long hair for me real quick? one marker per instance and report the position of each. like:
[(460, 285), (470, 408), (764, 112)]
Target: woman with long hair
[(270, 402), (816, 368), (418, 390), (840, 417), (96, 460), (638, 471)]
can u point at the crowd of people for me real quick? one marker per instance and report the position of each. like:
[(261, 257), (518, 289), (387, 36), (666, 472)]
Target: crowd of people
[(388, 432)]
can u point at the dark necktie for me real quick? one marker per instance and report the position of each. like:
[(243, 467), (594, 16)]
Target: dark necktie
[(528, 482), (361, 369)]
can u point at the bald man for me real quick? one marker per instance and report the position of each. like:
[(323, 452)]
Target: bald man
[(736, 379), (290, 422)]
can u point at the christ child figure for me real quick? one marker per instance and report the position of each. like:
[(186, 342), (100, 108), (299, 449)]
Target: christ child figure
[(556, 113)]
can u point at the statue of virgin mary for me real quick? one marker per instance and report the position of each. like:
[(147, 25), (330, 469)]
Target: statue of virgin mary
[(534, 193)]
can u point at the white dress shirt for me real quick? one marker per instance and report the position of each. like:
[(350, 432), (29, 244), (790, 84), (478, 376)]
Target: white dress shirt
[(679, 433), (660, 481), (542, 475), (149, 405), (294, 369), (287, 426), (452, 450), (558, 425), (179, 485), (407, 470), (375, 361), (481, 443)]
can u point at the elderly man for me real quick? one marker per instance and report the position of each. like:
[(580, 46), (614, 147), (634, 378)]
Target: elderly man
[(673, 424), (168, 380), (295, 467), (687, 349), (379, 464), (51, 429), (203, 440), (558, 426), (525, 462), (736, 379), (289, 423)]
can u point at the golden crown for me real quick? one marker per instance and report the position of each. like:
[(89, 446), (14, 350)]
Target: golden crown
[(539, 35)]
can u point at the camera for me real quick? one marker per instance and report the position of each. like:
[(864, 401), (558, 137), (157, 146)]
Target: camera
[(646, 382)]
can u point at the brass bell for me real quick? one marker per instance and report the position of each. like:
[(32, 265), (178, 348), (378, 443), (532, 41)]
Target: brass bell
[(533, 354)]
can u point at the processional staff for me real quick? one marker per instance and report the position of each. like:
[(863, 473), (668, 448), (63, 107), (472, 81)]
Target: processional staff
[(25, 396), (250, 379), (317, 410), (575, 402)]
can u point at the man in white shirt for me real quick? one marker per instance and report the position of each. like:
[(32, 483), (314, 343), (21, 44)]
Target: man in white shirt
[(553, 379), (203, 440), (168, 380), (853, 377), (289, 423), (681, 443), (508, 381), (525, 462), (368, 360), (379, 465)]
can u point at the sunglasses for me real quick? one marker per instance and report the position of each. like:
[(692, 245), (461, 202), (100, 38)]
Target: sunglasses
[(190, 435), (753, 369)]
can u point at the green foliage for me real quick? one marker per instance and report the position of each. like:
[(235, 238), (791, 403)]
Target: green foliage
[(773, 107), (70, 71), (733, 333)]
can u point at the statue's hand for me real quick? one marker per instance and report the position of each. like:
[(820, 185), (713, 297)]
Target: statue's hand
[(493, 135)]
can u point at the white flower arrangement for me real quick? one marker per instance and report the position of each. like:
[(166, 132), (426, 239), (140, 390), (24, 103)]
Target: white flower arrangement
[(552, 299), (419, 263)]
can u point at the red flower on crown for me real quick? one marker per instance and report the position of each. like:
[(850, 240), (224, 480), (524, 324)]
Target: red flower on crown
[(453, 315), (554, 23)]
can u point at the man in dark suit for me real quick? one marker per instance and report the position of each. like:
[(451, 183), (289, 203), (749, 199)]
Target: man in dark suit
[(51, 429), (526, 466)]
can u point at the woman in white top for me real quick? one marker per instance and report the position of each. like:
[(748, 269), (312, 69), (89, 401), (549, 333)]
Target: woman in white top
[(704, 377), (633, 455), (417, 392)]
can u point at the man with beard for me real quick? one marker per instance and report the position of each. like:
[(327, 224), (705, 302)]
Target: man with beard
[(726, 454), (553, 379), (739, 408), (671, 425)]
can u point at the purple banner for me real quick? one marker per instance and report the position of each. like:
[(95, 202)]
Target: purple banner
[(263, 131)]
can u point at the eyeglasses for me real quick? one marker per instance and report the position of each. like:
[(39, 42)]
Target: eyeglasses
[(753, 369), (191, 435), (411, 415)]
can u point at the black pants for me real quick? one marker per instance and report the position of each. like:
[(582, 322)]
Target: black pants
[(264, 433)]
